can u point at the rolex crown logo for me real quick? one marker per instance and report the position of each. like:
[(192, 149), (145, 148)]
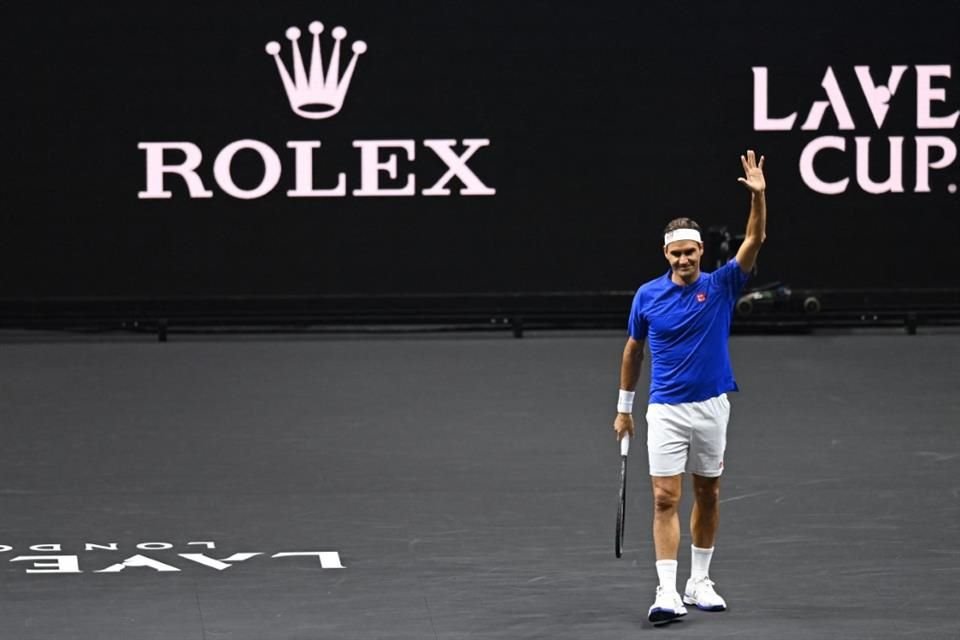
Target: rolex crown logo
[(317, 93)]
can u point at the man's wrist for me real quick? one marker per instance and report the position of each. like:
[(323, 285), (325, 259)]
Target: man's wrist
[(625, 401)]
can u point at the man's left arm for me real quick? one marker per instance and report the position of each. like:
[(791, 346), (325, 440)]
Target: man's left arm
[(757, 222)]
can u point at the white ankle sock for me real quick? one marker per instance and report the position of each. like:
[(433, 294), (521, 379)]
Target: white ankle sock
[(667, 572), (700, 565)]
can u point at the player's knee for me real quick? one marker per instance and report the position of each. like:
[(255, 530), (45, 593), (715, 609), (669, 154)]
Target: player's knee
[(707, 494), (665, 500)]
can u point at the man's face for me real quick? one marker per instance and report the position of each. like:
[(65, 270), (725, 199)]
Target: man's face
[(684, 258)]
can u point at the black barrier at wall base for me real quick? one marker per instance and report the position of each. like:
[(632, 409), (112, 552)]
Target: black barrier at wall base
[(768, 311)]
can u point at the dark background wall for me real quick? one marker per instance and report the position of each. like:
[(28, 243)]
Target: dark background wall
[(605, 119)]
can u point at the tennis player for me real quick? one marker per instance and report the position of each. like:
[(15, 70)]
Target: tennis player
[(685, 316)]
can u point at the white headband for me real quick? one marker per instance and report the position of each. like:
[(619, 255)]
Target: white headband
[(681, 234)]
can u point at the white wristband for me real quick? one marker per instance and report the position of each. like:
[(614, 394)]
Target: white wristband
[(625, 401)]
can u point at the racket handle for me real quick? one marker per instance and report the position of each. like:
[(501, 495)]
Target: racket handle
[(625, 444)]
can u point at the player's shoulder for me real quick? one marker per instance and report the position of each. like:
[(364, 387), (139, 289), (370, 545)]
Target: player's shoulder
[(730, 267), (650, 290), (728, 278)]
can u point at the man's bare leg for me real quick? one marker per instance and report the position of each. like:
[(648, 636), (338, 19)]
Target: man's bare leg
[(666, 519), (704, 520), (705, 517), (666, 540)]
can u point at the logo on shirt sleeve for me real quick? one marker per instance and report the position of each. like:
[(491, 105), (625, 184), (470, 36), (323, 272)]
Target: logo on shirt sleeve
[(701, 297)]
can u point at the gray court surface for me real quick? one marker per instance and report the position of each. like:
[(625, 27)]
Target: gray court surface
[(467, 486)]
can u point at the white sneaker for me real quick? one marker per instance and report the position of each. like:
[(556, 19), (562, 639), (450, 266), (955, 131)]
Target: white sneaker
[(666, 607), (700, 592)]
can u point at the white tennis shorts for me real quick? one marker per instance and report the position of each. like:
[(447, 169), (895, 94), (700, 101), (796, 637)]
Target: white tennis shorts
[(690, 436)]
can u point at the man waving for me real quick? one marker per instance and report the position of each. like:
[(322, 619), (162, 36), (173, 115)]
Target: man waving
[(685, 317)]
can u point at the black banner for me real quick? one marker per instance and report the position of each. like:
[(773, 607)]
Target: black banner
[(156, 150)]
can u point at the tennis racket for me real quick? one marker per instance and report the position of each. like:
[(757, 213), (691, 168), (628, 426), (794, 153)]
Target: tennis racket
[(622, 504)]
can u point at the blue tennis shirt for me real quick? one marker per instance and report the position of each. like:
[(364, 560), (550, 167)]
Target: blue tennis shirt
[(688, 328)]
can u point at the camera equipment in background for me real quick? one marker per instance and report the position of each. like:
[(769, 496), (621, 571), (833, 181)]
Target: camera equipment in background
[(721, 245)]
